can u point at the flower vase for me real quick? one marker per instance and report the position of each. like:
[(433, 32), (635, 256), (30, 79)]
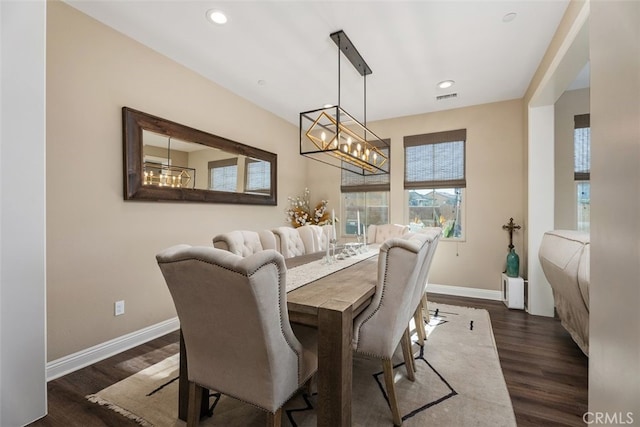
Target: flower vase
[(513, 263)]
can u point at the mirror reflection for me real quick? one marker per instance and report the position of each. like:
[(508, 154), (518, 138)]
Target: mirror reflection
[(171, 162), (180, 163)]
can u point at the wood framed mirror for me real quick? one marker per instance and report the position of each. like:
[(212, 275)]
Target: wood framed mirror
[(164, 160)]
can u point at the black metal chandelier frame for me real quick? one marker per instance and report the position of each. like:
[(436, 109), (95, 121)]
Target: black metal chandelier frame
[(332, 136)]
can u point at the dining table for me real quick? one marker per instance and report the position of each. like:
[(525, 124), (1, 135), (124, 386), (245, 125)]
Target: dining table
[(328, 297)]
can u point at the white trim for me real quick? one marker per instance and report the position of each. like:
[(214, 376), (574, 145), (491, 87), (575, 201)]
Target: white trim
[(462, 291), (91, 355)]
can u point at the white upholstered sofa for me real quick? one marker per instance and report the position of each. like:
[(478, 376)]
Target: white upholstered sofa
[(565, 256)]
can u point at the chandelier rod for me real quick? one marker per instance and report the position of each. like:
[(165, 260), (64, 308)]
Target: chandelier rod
[(339, 77), (365, 107)]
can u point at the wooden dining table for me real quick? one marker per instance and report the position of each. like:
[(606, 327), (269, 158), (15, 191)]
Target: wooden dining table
[(330, 304)]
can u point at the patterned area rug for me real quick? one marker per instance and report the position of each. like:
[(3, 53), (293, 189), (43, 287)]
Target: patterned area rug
[(459, 382)]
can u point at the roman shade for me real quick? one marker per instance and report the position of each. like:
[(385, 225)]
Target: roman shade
[(435, 160), (357, 183)]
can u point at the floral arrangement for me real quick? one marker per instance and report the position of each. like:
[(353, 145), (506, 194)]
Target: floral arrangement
[(300, 213)]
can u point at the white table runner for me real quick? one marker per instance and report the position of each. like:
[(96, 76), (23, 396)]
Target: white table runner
[(307, 273)]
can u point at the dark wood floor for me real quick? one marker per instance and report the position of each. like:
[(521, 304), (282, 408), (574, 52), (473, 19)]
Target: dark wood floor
[(545, 372)]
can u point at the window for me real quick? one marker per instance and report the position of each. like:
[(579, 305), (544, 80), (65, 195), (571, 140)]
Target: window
[(372, 205), (367, 196), (582, 169), (258, 176), (223, 175), (434, 181)]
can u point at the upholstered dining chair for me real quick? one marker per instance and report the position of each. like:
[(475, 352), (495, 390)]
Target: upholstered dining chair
[(380, 233), (433, 235), (383, 325), (288, 242), (245, 242), (312, 238), (235, 325)]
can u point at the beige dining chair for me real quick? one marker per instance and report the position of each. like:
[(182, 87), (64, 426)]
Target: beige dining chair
[(381, 232), (236, 330), (288, 242), (245, 242), (312, 238), (421, 314), (383, 325)]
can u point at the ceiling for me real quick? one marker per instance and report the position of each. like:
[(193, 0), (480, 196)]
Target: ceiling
[(278, 54)]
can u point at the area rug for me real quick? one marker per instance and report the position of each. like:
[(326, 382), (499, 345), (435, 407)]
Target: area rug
[(459, 382)]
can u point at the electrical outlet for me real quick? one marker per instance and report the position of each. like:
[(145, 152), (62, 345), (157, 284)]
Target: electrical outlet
[(119, 308)]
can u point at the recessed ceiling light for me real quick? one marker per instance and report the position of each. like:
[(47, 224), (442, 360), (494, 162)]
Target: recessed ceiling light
[(446, 84), (217, 16), (509, 17)]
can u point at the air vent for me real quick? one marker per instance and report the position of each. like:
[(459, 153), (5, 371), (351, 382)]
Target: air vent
[(447, 96)]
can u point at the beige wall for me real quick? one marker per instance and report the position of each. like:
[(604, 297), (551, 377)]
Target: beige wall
[(493, 194), (100, 248), (570, 104), (614, 323)]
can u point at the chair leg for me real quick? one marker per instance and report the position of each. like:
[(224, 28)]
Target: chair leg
[(387, 366), (308, 386), (419, 321), (194, 403), (409, 362), (425, 307), (274, 420)]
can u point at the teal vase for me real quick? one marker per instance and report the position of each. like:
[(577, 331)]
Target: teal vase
[(513, 263)]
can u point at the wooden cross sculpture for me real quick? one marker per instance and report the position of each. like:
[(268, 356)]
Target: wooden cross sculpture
[(511, 226)]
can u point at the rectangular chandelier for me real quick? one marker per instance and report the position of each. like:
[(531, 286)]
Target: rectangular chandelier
[(332, 136)]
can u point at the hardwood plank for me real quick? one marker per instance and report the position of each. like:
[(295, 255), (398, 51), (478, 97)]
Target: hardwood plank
[(545, 371)]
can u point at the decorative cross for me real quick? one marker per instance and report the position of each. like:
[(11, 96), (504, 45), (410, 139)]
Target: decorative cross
[(511, 226)]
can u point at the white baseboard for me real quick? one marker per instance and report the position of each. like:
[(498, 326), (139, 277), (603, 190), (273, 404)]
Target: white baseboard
[(461, 291), (89, 356)]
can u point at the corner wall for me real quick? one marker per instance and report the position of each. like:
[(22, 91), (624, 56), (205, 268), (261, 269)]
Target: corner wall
[(614, 323), (101, 248), (495, 180), (23, 389)]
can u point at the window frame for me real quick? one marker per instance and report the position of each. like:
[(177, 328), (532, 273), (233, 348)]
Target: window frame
[(581, 169), (222, 163), (354, 183), (247, 177), (454, 180), (364, 214)]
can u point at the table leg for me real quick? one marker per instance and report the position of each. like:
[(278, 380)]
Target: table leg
[(183, 388), (335, 363)]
